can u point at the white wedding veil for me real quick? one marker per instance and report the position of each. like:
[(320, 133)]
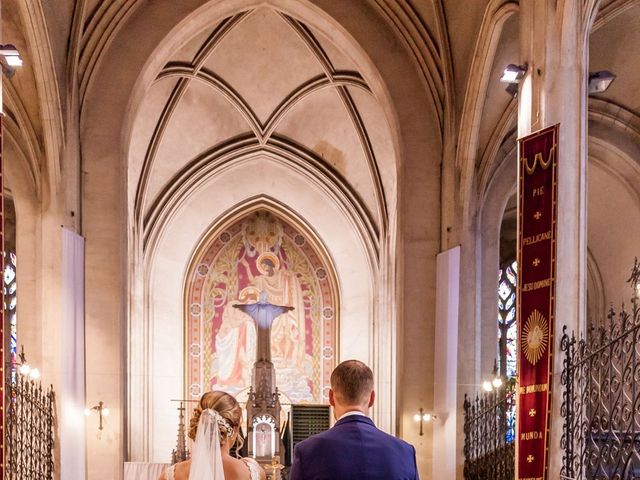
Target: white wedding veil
[(206, 459)]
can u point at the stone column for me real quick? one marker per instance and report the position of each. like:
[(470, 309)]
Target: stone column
[(553, 43)]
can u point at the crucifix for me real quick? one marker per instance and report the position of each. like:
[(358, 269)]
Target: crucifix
[(263, 313), (263, 404)]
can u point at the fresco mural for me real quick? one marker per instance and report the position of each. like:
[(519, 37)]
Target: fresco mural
[(261, 253)]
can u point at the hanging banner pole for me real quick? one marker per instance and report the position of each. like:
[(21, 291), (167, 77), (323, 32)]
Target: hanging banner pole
[(537, 229)]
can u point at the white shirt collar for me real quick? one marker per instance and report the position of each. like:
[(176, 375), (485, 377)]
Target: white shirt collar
[(349, 413)]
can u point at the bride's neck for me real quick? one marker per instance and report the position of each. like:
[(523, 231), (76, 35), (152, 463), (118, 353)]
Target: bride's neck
[(224, 449)]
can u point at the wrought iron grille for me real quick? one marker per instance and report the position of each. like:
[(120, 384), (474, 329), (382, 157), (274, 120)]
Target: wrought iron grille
[(29, 429), (601, 397), (489, 432)]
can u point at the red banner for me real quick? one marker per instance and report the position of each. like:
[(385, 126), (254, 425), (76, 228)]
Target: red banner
[(538, 193)]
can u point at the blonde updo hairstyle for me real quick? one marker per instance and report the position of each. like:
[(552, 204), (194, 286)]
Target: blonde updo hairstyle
[(228, 408)]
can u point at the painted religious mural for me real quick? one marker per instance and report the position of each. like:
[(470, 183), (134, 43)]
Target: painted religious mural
[(260, 256)]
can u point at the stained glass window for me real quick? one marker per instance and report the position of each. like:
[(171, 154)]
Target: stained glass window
[(507, 326), (10, 301)]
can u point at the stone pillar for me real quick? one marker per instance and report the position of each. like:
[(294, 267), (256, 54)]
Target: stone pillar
[(553, 43)]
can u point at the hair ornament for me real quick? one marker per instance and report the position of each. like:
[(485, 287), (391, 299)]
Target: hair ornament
[(220, 420)]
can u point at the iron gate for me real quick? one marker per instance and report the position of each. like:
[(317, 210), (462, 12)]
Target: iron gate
[(29, 429), (601, 397), (489, 432)]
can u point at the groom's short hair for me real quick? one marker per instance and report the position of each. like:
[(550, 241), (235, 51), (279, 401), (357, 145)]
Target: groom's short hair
[(352, 382)]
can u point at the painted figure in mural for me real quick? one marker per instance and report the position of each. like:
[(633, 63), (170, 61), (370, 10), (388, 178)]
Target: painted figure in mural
[(263, 313), (235, 349), (282, 288)]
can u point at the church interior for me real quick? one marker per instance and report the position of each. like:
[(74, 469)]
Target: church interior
[(167, 165)]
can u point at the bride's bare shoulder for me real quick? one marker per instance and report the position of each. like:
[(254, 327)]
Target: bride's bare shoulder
[(242, 469), (255, 469), (180, 471)]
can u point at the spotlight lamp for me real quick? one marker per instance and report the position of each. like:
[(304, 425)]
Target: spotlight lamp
[(11, 54), (513, 73), (102, 410), (423, 417), (10, 59), (600, 81)]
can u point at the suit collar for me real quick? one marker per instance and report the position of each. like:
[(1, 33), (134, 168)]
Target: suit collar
[(354, 418)]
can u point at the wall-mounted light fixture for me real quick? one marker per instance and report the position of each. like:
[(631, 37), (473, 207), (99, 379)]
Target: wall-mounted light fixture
[(496, 382), (102, 412), (490, 385), (423, 417), (513, 73), (24, 368), (600, 81)]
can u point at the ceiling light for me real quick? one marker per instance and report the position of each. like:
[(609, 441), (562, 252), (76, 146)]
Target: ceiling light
[(513, 73), (600, 81), (487, 386)]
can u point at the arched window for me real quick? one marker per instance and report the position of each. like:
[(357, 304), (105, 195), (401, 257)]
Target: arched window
[(507, 325)]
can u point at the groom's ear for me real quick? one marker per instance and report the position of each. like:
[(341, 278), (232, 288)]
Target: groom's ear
[(372, 398), (332, 400)]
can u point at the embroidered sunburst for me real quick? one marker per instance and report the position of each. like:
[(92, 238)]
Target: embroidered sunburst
[(535, 337)]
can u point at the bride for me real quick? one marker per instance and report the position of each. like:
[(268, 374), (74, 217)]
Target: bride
[(214, 428)]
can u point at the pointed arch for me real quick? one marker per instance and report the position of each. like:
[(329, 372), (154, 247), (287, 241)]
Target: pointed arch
[(225, 269)]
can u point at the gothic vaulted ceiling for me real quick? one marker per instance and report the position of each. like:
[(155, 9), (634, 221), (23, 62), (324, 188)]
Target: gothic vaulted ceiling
[(262, 78)]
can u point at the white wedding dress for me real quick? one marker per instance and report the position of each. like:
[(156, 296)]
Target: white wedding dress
[(252, 465)]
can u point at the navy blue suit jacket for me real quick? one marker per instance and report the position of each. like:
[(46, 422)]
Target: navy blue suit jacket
[(354, 449)]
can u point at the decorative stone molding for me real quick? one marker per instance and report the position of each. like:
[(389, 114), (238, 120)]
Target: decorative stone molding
[(281, 150), (21, 131), (424, 50), (607, 10), (37, 36), (501, 143), (98, 31), (496, 14)]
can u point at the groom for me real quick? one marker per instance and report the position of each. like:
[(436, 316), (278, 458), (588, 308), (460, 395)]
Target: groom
[(354, 448)]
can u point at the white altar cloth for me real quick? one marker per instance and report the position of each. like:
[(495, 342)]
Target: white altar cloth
[(143, 470)]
